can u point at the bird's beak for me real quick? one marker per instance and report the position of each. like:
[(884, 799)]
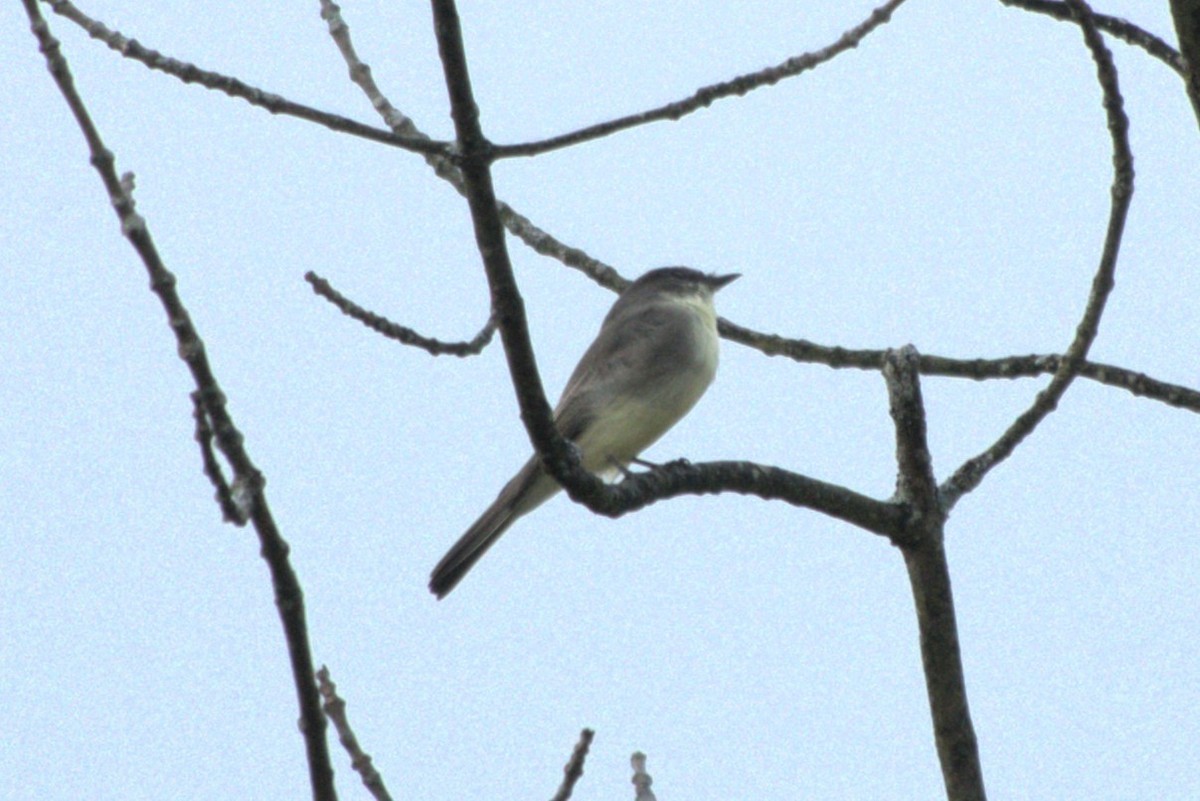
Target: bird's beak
[(718, 281)]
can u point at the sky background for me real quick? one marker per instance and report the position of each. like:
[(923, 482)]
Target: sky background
[(946, 185)]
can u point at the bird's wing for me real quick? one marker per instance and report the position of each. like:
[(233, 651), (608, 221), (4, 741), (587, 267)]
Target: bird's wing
[(612, 366)]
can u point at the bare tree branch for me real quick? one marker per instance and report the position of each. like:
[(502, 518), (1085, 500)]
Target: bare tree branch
[(399, 332), (230, 510), (1007, 367), (706, 96), (517, 224), (1186, 14), (929, 577), (1135, 383), (641, 779), (573, 770), (1120, 28), (604, 274), (335, 710), (247, 489), (681, 477), (475, 153), (190, 73), (915, 485), (968, 476), (360, 74)]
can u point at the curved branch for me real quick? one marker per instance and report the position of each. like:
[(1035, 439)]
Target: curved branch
[(401, 333), (639, 490), (1120, 28), (971, 473)]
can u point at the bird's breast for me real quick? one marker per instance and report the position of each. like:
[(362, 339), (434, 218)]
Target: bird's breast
[(679, 353)]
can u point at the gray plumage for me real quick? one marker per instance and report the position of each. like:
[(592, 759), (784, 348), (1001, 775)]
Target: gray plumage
[(654, 357)]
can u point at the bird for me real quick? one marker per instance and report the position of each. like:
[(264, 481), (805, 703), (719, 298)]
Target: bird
[(655, 354)]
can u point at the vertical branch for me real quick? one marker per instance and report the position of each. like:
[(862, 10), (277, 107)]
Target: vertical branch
[(641, 779), (958, 750), (929, 576)]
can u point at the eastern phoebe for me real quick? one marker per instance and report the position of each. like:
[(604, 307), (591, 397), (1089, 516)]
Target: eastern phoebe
[(655, 355)]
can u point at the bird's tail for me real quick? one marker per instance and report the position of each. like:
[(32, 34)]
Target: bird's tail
[(526, 491)]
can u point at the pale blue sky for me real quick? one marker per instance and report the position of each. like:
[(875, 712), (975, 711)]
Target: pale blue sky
[(945, 184)]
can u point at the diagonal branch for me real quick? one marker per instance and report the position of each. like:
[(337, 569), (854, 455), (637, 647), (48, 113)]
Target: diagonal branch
[(335, 708), (706, 96), (573, 770), (247, 491), (475, 154), (275, 104), (972, 472)]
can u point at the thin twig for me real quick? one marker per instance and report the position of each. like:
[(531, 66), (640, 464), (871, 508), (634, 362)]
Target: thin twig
[(360, 73), (968, 476), (573, 770), (1007, 367), (275, 104), (518, 225), (230, 510), (335, 710), (706, 96), (641, 779), (400, 333), (247, 488)]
